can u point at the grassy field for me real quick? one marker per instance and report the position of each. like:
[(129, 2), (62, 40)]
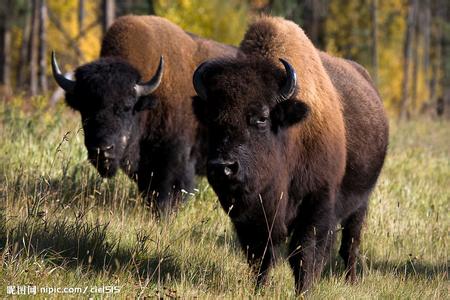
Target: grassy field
[(63, 226)]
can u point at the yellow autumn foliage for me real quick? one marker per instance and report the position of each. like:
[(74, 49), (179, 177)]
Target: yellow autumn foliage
[(67, 13), (348, 28), (223, 21), (347, 34)]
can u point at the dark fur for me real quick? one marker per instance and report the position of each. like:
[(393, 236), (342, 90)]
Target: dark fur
[(300, 166), (156, 138)]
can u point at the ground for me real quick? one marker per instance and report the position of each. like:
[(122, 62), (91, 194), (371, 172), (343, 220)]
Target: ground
[(61, 226)]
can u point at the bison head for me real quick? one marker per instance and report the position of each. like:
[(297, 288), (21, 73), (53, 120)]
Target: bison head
[(109, 97), (248, 106)]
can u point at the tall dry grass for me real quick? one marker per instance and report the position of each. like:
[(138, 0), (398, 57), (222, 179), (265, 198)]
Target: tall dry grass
[(63, 226)]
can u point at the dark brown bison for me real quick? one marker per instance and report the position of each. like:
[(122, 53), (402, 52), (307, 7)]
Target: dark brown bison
[(297, 139), (136, 113)]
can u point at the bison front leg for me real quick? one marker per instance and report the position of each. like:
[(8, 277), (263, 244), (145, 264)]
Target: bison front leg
[(166, 175), (312, 238), (261, 261), (259, 247)]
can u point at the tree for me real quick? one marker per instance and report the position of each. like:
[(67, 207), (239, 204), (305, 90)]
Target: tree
[(309, 14), (81, 15), (415, 57), (5, 47), (42, 46), (314, 15), (426, 32), (151, 7), (139, 7), (108, 13), (224, 21), (412, 10), (374, 18), (347, 35), (22, 66), (33, 49)]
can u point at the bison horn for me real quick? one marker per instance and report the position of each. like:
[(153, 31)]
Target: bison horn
[(198, 81), (64, 82), (151, 85), (288, 89)]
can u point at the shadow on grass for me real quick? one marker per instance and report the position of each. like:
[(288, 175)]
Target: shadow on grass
[(75, 244), (410, 268)]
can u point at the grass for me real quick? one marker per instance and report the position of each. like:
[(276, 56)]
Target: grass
[(63, 226)]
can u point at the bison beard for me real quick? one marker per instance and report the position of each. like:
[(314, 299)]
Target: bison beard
[(294, 149), (136, 113)]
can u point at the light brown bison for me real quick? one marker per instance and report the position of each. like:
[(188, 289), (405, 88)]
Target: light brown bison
[(297, 139), (146, 129)]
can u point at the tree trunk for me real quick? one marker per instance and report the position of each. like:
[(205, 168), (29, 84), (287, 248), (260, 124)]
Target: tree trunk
[(407, 58), (426, 32), (5, 49), (81, 15), (33, 46), (436, 62), (43, 46), (22, 64), (310, 14), (313, 21), (109, 13), (415, 61), (374, 17), (151, 7)]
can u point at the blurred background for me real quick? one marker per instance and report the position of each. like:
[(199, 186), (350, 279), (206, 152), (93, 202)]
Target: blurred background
[(405, 44)]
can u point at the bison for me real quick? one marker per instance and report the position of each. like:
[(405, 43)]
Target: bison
[(296, 141), (137, 114)]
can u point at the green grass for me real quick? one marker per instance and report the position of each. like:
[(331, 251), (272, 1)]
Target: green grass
[(63, 226)]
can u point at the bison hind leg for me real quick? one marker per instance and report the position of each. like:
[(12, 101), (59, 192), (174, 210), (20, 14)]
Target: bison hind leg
[(351, 238)]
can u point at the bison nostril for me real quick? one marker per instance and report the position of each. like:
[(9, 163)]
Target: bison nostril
[(107, 154), (230, 168), (227, 171), (110, 147)]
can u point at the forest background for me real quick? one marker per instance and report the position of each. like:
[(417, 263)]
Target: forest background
[(405, 45)]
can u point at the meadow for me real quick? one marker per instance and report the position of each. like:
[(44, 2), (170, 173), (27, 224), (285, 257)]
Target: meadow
[(61, 225)]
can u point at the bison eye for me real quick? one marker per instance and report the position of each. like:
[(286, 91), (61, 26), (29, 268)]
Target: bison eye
[(259, 122)]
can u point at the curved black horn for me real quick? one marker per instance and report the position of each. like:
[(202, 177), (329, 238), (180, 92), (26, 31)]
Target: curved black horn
[(197, 80), (288, 89), (65, 83), (151, 85)]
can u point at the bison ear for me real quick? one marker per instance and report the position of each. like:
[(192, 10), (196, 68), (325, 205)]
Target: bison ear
[(145, 103), (288, 113), (199, 108)]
